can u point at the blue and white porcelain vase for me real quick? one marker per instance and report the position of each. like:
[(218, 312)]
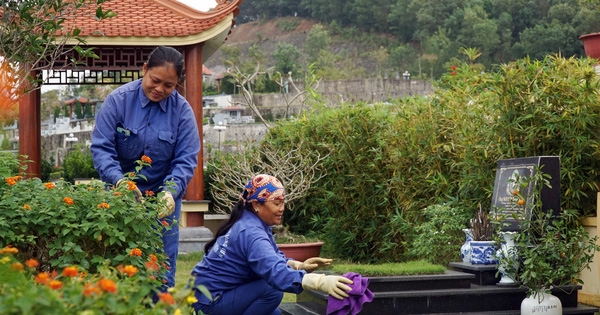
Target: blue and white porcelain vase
[(465, 249), (483, 252)]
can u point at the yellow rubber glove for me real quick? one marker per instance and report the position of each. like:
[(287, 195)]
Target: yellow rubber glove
[(310, 264), (169, 205), (332, 285), (136, 191), (314, 263)]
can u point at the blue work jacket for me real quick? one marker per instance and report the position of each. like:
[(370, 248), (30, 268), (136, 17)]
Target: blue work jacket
[(246, 253), (129, 125)]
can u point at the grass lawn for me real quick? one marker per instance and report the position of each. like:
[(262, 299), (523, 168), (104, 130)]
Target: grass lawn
[(185, 265)]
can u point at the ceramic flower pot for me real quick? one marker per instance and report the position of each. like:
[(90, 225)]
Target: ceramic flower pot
[(591, 44), (483, 252), (302, 251)]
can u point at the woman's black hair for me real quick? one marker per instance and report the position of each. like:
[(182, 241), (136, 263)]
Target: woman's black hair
[(164, 54), (236, 215)]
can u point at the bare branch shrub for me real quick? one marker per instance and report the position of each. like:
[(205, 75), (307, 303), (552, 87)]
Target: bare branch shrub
[(297, 170)]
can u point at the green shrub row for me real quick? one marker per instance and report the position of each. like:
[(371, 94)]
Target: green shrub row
[(388, 163)]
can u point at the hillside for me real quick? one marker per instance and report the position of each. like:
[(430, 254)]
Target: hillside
[(268, 33)]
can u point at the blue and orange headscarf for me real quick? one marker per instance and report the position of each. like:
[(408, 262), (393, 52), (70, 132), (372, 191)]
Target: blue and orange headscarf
[(263, 187)]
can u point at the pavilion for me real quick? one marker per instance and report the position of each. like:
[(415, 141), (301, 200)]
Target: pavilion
[(123, 44)]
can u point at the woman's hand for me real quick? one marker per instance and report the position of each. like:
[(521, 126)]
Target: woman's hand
[(310, 264), (314, 263)]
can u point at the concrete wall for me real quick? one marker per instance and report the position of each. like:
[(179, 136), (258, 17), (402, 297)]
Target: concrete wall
[(334, 92)]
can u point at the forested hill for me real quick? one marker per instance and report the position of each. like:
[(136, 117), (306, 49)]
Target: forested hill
[(383, 37)]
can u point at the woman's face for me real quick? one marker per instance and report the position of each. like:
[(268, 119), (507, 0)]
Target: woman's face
[(159, 82), (270, 212)]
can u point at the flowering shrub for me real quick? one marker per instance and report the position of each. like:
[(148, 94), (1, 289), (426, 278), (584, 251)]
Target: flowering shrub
[(121, 290), (60, 224)]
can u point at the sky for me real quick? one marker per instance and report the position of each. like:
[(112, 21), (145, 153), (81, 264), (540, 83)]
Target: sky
[(201, 5)]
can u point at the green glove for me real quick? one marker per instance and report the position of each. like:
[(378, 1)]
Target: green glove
[(169, 207), (310, 264), (136, 191), (332, 285)]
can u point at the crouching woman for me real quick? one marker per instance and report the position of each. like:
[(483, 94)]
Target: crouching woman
[(242, 267)]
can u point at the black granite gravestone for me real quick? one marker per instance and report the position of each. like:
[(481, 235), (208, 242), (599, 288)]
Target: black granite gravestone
[(507, 173)]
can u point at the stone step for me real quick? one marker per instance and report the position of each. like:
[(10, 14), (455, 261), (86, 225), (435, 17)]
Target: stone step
[(451, 279), (483, 274)]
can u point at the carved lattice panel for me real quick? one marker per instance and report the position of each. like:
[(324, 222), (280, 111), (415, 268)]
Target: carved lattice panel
[(115, 65)]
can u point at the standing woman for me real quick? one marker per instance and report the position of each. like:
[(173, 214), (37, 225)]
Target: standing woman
[(149, 117), (242, 267)]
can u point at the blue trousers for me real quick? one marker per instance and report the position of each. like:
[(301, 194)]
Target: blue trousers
[(171, 245), (251, 298)]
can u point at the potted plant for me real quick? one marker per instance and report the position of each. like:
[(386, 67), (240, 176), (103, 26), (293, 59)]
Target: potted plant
[(297, 247), (591, 44), (550, 251), (483, 245)]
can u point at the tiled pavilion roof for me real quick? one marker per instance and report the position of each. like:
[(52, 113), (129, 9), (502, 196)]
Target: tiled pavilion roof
[(153, 19)]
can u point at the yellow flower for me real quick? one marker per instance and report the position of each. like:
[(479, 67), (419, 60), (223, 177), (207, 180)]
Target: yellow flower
[(4, 260), (177, 312), (192, 299)]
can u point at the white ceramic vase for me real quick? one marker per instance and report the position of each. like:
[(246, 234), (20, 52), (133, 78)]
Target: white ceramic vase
[(541, 303), (505, 249)]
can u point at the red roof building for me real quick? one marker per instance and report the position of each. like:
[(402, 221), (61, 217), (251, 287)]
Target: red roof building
[(123, 44)]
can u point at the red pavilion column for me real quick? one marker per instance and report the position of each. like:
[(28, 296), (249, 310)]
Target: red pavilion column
[(30, 132), (193, 94)]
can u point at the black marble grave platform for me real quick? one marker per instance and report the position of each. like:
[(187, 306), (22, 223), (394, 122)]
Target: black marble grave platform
[(450, 293)]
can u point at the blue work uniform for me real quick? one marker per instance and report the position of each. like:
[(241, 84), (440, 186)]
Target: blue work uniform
[(243, 266), (130, 125)]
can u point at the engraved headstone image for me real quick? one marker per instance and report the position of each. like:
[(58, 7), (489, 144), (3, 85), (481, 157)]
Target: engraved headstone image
[(510, 173)]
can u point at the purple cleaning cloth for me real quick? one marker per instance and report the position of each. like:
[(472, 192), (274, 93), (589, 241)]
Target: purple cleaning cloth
[(356, 297)]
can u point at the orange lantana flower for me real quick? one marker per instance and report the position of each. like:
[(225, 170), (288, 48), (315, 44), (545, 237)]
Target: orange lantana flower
[(68, 200), (131, 185), (116, 194), (146, 159), (130, 270), (104, 205), (11, 180), (135, 252), (8, 250), (42, 278), (70, 272), (149, 193), (55, 284), (90, 289), (165, 223), (152, 266), (107, 285), (17, 266), (27, 207), (49, 185), (32, 263), (166, 297)]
